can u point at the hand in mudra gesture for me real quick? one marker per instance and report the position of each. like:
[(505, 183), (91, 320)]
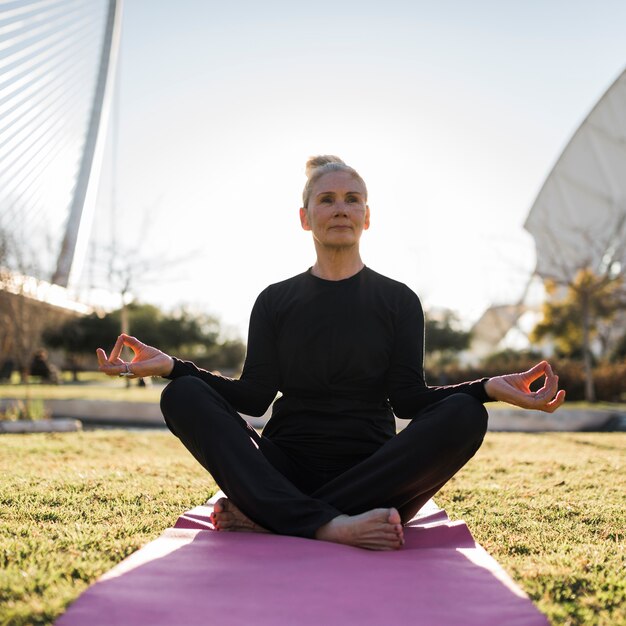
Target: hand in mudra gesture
[(147, 361), (515, 389)]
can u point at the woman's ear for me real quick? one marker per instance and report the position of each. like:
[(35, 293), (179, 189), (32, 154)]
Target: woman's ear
[(304, 219), (366, 223)]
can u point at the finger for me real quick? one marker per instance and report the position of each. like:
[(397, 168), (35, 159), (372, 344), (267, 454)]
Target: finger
[(133, 371), (142, 369), (133, 343), (550, 387), (536, 371), (117, 348), (558, 400), (554, 404), (111, 369), (102, 356)]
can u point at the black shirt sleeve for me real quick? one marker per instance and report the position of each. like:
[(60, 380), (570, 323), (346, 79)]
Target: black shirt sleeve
[(256, 389), (406, 386)]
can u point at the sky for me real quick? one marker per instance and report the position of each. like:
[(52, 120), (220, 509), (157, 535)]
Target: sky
[(453, 112)]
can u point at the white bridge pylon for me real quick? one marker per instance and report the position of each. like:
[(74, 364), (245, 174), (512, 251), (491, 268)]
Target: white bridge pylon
[(73, 247), (57, 67)]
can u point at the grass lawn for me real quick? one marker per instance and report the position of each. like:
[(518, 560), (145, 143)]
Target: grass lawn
[(549, 507), (97, 386), (100, 388)]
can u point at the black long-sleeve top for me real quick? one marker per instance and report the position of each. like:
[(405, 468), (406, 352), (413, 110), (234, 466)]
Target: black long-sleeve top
[(344, 355)]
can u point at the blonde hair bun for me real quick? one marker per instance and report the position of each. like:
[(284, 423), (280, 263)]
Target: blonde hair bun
[(322, 164), (319, 161)]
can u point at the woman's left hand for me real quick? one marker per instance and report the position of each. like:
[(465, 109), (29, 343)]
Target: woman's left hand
[(515, 389)]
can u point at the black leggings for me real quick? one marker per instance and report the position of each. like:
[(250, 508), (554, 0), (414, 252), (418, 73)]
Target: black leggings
[(404, 473)]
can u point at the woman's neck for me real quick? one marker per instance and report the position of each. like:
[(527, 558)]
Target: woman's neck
[(337, 266)]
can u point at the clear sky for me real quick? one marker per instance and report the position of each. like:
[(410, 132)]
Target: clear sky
[(453, 112)]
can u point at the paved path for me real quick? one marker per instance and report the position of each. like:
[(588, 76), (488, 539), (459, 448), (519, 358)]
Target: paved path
[(148, 414)]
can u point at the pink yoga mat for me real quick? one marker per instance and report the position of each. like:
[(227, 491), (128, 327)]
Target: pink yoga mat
[(194, 575)]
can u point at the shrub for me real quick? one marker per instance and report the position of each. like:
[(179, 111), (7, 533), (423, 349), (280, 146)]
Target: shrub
[(610, 378), (25, 410)]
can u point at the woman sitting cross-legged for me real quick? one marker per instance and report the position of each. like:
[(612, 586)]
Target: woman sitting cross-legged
[(343, 346)]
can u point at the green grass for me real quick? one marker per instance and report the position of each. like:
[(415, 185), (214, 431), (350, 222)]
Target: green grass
[(96, 386), (90, 376), (549, 507), (615, 407), (71, 506), (100, 389)]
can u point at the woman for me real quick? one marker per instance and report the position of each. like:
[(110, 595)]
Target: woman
[(344, 347)]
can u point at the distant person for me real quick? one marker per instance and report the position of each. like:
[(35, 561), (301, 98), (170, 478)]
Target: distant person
[(6, 371), (73, 365), (344, 347), (42, 368)]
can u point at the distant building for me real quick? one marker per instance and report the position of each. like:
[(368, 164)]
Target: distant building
[(492, 327)]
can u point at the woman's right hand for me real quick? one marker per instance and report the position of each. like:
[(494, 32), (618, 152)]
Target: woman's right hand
[(147, 361)]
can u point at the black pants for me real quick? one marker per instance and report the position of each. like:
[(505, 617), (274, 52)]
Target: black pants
[(254, 473)]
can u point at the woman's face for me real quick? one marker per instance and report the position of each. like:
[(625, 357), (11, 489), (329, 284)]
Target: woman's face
[(337, 213)]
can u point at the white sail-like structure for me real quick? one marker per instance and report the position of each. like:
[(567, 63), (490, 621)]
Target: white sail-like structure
[(579, 217), (57, 59)]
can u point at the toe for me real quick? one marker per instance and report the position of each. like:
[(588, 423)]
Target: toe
[(394, 517), (221, 505)]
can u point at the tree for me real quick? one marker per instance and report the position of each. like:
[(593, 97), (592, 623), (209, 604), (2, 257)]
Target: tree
[(580, 235), (585, 312), (444, 337), (24, 314), (618, 353), (192, 336)]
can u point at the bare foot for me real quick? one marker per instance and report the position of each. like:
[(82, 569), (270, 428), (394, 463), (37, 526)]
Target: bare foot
[(226, 516), (379, 529)]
